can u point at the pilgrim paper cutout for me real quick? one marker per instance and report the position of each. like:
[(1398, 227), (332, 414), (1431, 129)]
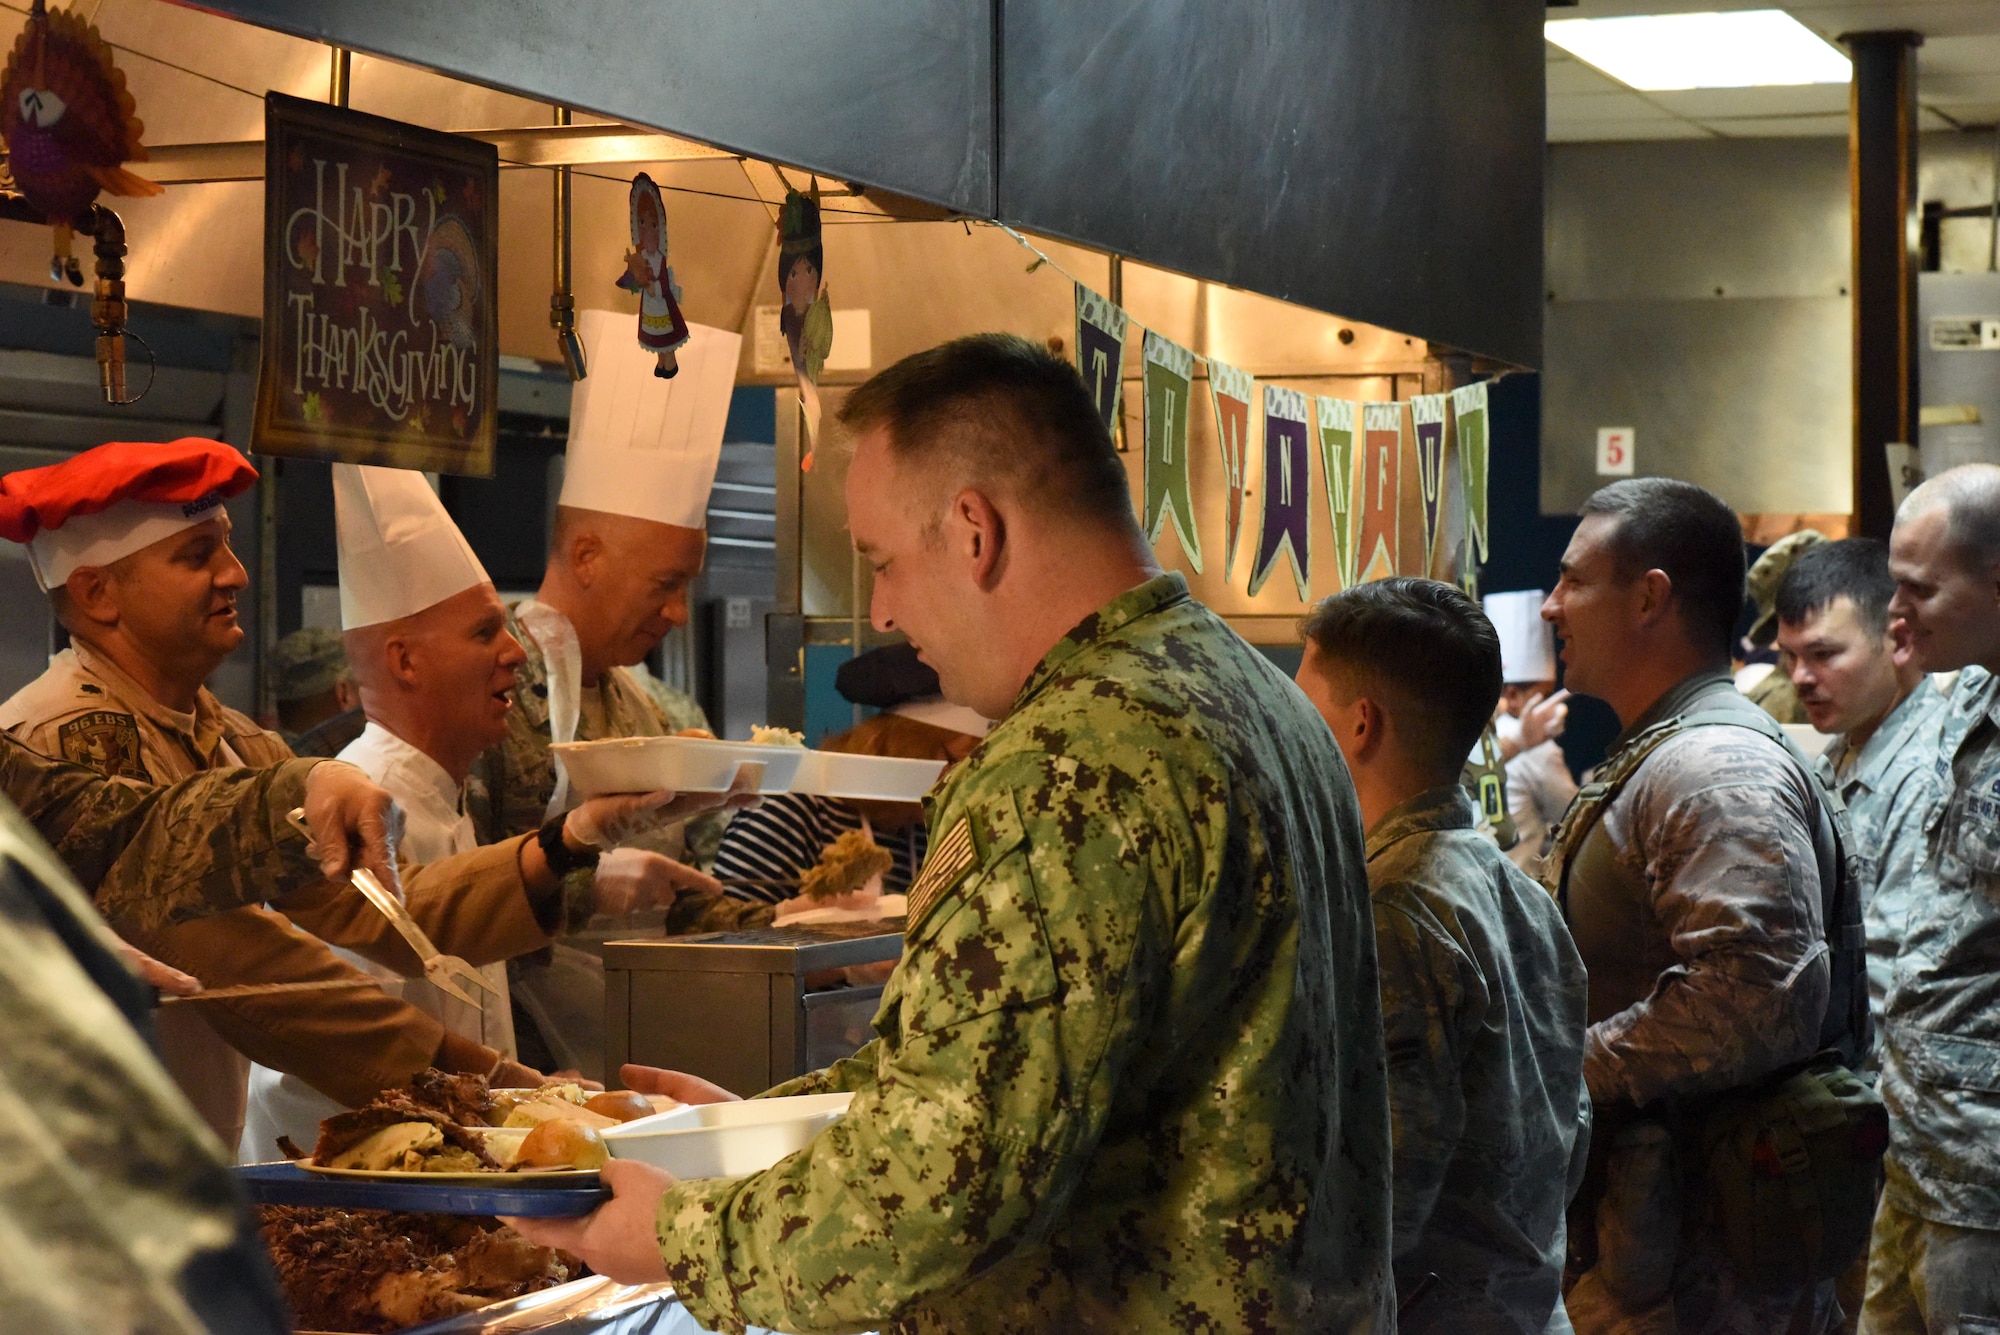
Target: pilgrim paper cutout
[(1427, 417), (1336, 457), (1100, 352), (1169, 384), (1287, 510), (1229, 389), (806, 318), (662, 328), (1381, 499), (1469, 405)]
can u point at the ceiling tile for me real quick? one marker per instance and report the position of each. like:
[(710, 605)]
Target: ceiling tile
[(1605, 107), (1780, 127), (1584, 132), (1703, 103), (1567, 77)]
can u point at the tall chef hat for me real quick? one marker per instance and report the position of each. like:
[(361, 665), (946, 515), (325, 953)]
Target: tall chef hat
[(114, 500), (640, 445), (399, 551), (1527, 651)]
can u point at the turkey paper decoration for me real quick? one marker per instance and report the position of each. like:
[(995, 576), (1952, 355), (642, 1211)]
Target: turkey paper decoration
[(69, 124)]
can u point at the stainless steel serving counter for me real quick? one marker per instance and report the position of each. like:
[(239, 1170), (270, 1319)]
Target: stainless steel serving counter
[(748, 1009)]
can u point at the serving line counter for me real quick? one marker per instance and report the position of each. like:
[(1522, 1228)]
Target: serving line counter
[(746, 1009)]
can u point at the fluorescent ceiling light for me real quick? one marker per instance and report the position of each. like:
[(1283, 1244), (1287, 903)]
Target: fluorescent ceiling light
[(1745, 48)]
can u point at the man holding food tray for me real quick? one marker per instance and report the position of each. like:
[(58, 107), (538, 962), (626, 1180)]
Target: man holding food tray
[(132, 544), (1129, 1072), (629, 537)]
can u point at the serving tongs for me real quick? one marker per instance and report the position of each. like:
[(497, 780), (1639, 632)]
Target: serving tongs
[(440, 970)]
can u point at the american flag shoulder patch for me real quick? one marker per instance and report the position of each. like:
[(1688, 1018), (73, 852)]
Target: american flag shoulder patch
[(950, 858)]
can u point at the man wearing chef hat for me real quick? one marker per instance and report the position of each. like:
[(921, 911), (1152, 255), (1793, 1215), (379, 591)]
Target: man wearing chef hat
[(1539, 784), (131, 542), (629, 538)]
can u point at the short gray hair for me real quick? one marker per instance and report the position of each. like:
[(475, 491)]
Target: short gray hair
[(1970, 495)]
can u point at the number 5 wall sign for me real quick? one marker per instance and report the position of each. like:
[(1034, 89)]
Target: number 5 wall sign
[(1614, 451)]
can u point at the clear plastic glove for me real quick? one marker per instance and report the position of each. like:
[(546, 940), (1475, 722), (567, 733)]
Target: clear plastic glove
[(617, 818), (631, 879), (354, 822), (1542, 719)]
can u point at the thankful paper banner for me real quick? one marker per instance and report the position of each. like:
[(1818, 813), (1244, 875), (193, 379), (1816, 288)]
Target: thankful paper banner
[(1100, 351), (1286, 523), (1169, 376), (1230, 390), (1381, 490), (1336, 457), (1469, 405), (1427, 416)]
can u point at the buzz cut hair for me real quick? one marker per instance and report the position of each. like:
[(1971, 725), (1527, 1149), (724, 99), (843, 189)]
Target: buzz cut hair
[(999, 411), (1690, 535), (1854, 568), (1425, 651), (1970, 494)]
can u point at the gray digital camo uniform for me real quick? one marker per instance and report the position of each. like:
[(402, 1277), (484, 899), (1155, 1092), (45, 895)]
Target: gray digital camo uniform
[(1888, 787), (1483, 1000), (117, 1206), (1941, 1020), (1696, 905), (1128, 1075)]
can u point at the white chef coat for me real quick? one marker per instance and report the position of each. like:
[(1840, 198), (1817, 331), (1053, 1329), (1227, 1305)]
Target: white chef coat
[(435, 825), (1539, 789)]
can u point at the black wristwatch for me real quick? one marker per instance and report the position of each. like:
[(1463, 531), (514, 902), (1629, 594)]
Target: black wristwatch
[(561, 857)]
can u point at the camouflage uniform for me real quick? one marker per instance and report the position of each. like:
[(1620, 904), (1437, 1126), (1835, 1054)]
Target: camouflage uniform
[(1887, 785), (117, 1208), (1483, 1000), (349, 1042), (1128, 1074), (1696, 905), (1935, 1255)]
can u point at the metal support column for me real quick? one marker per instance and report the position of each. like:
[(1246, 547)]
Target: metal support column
[(1882, 182)]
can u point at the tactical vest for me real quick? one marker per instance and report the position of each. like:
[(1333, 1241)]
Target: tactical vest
[(1583, 874)]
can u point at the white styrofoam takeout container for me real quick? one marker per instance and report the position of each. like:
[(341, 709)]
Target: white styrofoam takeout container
[(871, 778), (683, 764), (726, 1139)]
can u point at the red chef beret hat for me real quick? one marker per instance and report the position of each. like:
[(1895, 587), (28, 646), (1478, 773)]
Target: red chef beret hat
[(109, 502)]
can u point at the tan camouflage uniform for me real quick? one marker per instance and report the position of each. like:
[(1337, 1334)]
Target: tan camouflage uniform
[(347, 1042), (1934, 1260), (1483, 1000), (1696, 905), (1128, 1075)]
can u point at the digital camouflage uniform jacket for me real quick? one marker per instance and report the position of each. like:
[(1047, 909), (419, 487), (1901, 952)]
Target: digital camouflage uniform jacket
[(1483, 1000), (1128, 1075), (1940, 1033), (118, 1207), (1888, 788)]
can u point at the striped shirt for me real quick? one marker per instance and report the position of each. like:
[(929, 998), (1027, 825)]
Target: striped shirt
[(785, 836)]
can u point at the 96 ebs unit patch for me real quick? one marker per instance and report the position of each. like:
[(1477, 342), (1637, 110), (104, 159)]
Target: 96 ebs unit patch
[(105, 740)]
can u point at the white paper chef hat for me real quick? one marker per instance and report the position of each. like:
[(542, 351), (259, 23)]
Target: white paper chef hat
[(399, 551), (1527, 650), (640, 445)]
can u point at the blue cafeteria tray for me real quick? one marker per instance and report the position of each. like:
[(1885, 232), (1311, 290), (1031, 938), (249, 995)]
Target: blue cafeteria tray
[(285, 1183)]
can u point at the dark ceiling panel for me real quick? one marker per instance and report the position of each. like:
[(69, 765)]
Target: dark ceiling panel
[(896, 93), (1380, 159)]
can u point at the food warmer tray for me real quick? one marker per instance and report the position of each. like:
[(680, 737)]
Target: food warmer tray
[(285, 1183)]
